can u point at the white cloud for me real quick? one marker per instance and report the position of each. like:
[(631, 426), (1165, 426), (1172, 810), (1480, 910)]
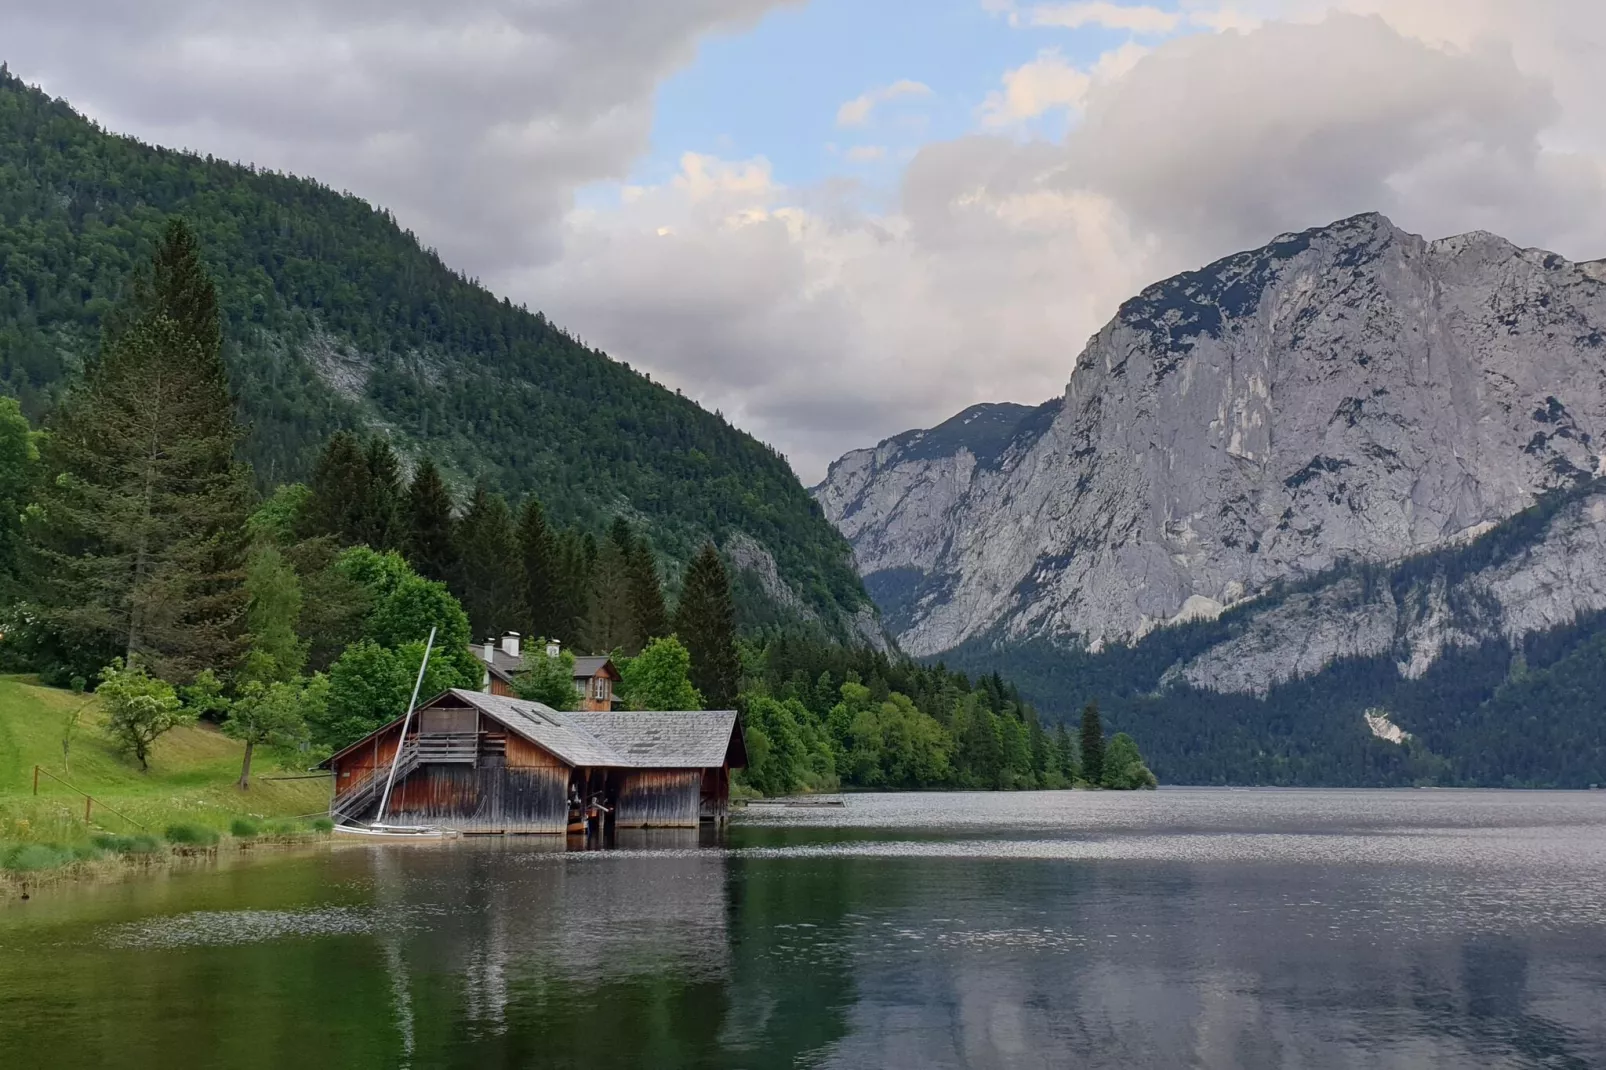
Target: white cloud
[(867, 153), (857, 111), (1139, 19), (1049, 82)]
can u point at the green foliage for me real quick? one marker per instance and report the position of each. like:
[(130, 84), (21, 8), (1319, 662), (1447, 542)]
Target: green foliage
[(33, 857), (273, 616), (549, 681), (323, 825), (279, 520), (659, 678), (272, 715), (705, 621), (139, 536), (491, 566), (429, 526), (203, 697), (189, 835), (610, 622), (140, 708), (19, 469), (538, 553), (137, 844), (308, 277), (1123, 766), (369, 686), (405, 606), (1092, 744), (641, 572), (244, 829)]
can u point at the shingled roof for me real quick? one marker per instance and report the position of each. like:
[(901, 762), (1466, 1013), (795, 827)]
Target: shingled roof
[(678, 739)]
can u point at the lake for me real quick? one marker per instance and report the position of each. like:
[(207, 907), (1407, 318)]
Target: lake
[(1179, 928)]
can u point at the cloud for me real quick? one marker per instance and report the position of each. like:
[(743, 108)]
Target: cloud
[(867, 153), (474, 121), (857, 111), (1049, 82), (1139, 19)]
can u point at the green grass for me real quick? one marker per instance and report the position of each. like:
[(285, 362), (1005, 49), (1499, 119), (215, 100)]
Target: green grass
[(191, 781)]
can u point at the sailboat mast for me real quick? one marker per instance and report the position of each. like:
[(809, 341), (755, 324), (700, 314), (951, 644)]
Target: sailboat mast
[(407, 721)]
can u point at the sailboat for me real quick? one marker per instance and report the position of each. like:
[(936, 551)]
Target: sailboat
[(378, 828)]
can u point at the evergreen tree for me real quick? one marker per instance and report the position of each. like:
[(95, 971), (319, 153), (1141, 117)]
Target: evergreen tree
[(610, 620), (338, 503), (19, 464), (641, 570), (491, 583), (431, 536), (380, 522), (539, 552), (140, 542), (705, 621), (1092, 745), (577, 562)]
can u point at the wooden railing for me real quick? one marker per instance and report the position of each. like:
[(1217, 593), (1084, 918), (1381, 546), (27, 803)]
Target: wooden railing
[(458, 748), (89, 800)]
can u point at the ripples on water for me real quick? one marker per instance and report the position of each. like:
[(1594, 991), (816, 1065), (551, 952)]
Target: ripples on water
[(1178, 928)]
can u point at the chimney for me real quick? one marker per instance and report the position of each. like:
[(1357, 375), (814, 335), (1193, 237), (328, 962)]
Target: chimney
[(553, 648), (510, 644), (490, 651)]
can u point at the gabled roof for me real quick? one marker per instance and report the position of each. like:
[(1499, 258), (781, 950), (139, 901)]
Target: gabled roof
[(505, 666), (587, 667), (690, 739)]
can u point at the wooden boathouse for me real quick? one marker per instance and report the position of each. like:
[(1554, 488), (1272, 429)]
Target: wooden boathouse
[(482, 763)]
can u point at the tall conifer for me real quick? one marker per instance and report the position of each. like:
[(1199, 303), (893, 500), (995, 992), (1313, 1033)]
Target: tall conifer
[(540, 567), (610, 620), (430, 538), (705, 621), (339, 486), (641, 575), (141, 538), (380, 521), (492, 572), (1092, 744)]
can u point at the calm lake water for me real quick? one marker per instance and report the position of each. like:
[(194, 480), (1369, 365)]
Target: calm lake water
[(1173, 929)]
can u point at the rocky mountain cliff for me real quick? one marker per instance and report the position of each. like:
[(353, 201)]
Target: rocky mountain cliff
[(1352, 394)]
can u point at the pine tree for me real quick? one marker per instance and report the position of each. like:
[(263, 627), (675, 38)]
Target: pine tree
[(577, 561), (430, 541), (537, 547), (1092, 745), (140, 542), (641, 570), (491, 584), (380, 519), (610, 620), (705, 621), (339, 486)]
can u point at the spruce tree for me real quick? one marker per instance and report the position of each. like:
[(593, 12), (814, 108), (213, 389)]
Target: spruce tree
[(610, 620), (641, 571), (339, 485), (540, 573), (491, 583), (140, 539), (705, 621), (1092, 745), (576, 555), (430, 537), (380, 518)]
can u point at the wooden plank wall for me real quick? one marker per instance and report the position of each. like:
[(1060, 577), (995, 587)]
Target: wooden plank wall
[(527, 792), (370, 760), (658, 798)]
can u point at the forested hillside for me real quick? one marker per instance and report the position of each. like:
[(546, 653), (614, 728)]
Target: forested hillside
[(1488, 711), (335, 317)]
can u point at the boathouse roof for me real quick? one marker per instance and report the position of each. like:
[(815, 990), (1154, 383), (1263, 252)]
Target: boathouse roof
[(669, 739)]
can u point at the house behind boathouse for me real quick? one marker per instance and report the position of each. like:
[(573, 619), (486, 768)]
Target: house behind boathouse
[(483, 763)]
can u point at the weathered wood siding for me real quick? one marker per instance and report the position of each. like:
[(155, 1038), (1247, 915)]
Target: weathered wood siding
[(373, 758), (485, 798), (658, 798)]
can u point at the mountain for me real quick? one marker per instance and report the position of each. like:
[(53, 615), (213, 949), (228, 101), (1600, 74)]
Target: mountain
[(336, 317), (1350, 451)]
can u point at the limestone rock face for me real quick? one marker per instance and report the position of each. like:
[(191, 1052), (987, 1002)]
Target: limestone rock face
[(1351, 393)]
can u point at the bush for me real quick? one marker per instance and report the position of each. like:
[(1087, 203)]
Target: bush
[(140, 844), (244, 829), (323, 824), (191, 835), (32, 857)]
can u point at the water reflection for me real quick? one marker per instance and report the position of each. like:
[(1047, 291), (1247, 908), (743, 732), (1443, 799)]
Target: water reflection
[(1202, 929)]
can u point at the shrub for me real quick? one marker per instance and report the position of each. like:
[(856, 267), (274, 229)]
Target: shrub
[(244, 829), (191, 835), (32, 857), (323, 824), (139, 844)]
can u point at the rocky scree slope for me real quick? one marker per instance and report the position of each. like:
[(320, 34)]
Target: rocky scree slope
[(1350, 394)]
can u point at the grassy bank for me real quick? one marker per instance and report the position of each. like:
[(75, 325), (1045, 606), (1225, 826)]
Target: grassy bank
[(189, 791)]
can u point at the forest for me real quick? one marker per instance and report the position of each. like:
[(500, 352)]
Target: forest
[(1495, 715), (139, 557), (335, 318)]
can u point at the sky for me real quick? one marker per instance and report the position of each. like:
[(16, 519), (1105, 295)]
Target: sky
[(835, 220)]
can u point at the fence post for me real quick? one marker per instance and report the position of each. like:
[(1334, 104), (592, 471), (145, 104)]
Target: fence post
[(88, 802), (36, 780)]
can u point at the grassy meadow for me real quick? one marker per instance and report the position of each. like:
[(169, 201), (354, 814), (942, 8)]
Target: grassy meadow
[(190, 789)]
